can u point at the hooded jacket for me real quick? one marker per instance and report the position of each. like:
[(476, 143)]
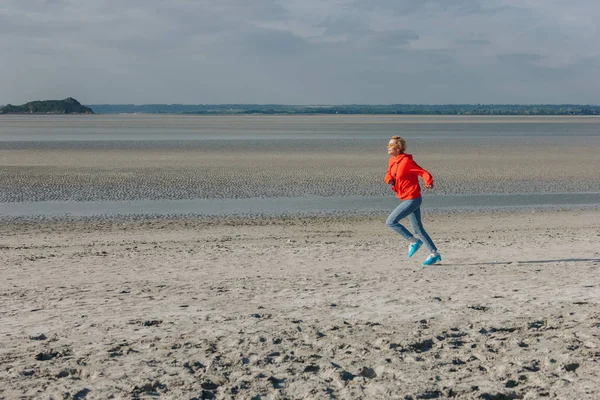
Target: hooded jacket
[(405, 172)]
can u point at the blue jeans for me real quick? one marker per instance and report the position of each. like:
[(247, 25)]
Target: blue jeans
[(412, 210)]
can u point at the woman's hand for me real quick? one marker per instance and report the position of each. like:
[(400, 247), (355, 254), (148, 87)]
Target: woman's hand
[(429, 186)]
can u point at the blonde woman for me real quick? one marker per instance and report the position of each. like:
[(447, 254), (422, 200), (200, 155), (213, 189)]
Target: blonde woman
[(403, 177)]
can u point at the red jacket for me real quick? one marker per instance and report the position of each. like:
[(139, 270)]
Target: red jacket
[(404, 172)]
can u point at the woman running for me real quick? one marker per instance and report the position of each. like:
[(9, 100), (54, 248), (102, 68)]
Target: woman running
[(403, 176)]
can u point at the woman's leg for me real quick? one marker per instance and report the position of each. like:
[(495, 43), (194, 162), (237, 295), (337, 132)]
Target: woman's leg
[(417, 225), (404, 209)]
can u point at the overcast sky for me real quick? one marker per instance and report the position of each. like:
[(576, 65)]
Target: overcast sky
[(300, 51)]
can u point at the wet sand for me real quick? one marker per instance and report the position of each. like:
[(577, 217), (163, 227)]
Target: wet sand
[(108, 158), (301, 308), (289, 169)]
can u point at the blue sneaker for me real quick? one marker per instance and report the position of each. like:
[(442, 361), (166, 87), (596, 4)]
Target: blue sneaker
[(413, 247), (432, 259)]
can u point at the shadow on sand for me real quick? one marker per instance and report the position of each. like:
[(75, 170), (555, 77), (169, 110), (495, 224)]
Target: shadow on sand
[(562, 260), (528, 262)]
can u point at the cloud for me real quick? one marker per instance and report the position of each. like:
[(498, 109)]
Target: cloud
[(396, 38), (314, 51), (517, 59), (272, 42), (433, 7)]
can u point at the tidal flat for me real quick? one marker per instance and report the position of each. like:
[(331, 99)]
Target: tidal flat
[(131, 158)]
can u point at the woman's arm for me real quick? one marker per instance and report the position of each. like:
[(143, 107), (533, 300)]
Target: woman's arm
[(389, 179), (427, 177)]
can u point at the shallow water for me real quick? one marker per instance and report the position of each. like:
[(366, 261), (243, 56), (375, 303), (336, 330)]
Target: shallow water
[(291, 206)]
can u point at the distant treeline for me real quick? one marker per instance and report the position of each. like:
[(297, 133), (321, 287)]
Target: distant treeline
[(406, 109)]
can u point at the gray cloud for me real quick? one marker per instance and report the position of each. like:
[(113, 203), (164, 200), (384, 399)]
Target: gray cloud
[(315, 51), (396, 38), (516, 59), (272, 42), (456, 7), (475, 42), (343, 27)]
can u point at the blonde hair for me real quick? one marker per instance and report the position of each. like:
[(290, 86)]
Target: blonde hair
[(400, 142)]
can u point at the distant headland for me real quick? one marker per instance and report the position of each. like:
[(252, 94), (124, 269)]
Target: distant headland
[(66, 106)]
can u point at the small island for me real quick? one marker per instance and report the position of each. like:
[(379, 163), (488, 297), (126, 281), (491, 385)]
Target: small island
[(66, 106)]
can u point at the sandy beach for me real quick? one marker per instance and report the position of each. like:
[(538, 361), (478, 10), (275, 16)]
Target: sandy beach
[(301, 308)]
